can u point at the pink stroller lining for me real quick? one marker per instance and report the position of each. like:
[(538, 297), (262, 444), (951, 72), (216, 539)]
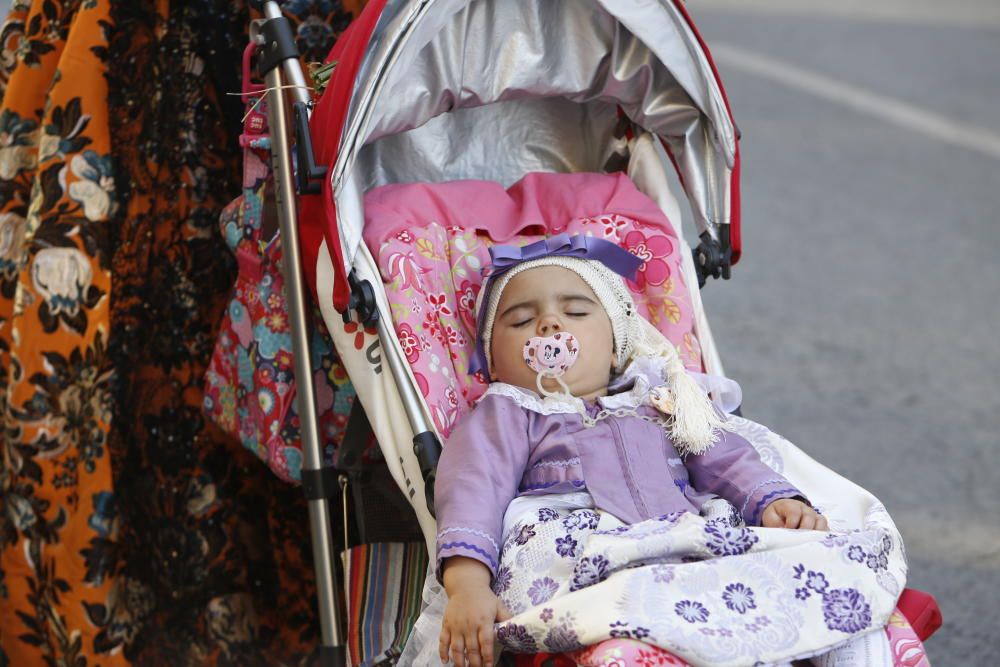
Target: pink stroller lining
[(431, 241)]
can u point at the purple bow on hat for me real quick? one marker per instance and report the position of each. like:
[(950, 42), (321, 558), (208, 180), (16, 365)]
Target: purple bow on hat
[(616, 258), (505, 257)]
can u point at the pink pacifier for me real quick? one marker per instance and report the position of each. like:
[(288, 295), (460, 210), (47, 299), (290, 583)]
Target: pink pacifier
[(551, 356)]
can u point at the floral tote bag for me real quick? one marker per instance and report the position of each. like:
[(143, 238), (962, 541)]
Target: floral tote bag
[(250, 386)]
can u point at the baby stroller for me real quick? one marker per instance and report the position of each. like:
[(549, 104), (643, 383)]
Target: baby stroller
[(485, 91)]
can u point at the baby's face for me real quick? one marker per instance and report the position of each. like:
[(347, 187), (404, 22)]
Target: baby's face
[(542, 302)]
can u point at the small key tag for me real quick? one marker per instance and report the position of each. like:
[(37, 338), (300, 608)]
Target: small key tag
[(662, 399)]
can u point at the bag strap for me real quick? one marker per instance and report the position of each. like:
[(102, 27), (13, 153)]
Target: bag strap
[(348, 459)]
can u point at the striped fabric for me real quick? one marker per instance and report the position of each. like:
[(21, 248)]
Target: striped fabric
[(384, 583)]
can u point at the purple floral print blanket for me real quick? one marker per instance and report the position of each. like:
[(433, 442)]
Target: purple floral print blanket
[(706, 588)]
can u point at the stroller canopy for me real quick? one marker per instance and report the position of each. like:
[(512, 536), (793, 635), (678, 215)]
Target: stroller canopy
[(492, 89)]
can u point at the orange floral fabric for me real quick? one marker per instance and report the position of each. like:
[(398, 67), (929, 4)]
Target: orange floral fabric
[(131, 530)]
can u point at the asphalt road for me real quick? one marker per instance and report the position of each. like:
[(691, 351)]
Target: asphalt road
[(862, 321)]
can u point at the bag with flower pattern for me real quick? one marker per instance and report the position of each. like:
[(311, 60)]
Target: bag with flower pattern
[(250, 385)]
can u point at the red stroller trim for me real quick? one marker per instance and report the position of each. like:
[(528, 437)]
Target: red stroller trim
[(318, 213), (735, 238)]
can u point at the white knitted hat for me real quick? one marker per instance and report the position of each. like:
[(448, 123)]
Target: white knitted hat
[(605, 283), (694, 420)]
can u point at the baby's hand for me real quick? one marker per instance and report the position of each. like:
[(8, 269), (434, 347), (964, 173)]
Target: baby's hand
[(791, 513), (467, 628)]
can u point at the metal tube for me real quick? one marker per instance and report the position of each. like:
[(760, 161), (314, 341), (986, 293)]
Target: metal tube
[(319, 517), (292, 69), (411, 401)]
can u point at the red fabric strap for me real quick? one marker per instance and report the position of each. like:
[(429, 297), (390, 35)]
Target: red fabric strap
[(921, 610), (318, 213)]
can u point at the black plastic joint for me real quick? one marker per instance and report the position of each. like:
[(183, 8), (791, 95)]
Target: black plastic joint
[(307, 174), (320, 484), (279, 44), (362, 301), (428, 451), (713, 257), (332, 656)]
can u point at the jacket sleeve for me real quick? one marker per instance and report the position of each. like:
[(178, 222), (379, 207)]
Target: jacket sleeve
[(732, 469), (478, 475)]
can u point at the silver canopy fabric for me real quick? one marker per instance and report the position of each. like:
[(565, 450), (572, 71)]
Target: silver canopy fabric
[(493, 89)]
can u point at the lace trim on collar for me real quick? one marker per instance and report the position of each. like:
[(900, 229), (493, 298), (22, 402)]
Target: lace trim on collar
[(529, 400)]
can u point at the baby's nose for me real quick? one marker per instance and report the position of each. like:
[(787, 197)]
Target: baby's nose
[(548, 324)]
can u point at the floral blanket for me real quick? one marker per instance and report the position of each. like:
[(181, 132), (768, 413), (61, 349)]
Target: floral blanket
[(706, 588)]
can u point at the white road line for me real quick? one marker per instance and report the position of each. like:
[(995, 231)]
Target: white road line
[(886, 108), (969, 14)]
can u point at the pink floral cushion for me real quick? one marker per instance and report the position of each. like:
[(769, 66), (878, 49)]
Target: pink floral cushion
[(431, 242), (625, 653), (907, 649)]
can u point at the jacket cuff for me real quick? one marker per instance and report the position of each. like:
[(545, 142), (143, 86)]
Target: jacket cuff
[(468, 542), (763, 495)]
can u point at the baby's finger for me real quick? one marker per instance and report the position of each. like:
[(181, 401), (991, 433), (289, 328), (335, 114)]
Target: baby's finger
[(458, 650), (444, 641), (793, 514), (771, 518), (472, 649), (486, 644), (808, 521), (821, 523)]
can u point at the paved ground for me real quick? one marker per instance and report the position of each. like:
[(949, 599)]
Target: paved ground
[(863, 320)]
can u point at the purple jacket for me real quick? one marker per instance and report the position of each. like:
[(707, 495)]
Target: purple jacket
[(514, 444)]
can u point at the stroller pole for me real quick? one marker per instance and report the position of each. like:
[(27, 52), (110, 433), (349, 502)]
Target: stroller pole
[(278, 63)]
